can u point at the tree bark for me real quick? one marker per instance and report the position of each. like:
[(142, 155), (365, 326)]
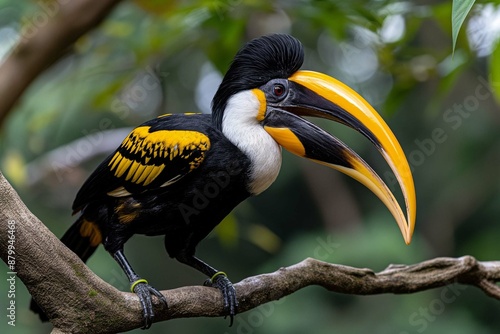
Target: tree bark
[(43, 40), (78, 301)]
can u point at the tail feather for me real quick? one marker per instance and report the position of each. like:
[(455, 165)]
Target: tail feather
[(83, 238)]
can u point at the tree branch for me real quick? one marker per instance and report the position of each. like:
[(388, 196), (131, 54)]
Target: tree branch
[(76, 300), (44, 40)]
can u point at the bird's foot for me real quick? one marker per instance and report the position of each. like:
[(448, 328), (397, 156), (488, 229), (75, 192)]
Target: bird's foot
[(221, 282), (144, 292)]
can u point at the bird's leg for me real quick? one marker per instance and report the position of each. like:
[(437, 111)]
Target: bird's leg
[(141, 287), (220, 281), (217, 279)]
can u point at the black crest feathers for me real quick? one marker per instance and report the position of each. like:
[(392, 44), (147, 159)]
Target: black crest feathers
[(260, 60)]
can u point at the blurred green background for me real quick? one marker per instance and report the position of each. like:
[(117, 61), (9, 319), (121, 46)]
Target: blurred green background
[(153, 57)]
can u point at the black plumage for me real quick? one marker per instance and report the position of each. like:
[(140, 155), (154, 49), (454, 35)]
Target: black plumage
[(184, 210), (177, 175)]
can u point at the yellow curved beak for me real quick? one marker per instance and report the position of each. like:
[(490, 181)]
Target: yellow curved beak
[(318, 95)]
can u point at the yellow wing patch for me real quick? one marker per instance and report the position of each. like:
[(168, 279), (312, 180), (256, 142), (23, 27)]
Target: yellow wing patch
[(185, 114), (90, 230), (143, 155)]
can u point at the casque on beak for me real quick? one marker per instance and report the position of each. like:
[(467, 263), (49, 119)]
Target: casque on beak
[(308, 93)]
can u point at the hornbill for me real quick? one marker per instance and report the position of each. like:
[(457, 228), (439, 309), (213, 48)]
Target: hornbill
[(179, 175)]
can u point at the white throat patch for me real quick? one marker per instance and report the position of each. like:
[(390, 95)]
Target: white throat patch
[(241, 127)]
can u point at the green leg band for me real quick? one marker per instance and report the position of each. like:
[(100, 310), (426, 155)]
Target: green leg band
[(140, 280), (217, 274)]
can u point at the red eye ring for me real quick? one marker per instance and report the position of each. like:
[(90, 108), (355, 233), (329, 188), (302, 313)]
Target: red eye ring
[(278, 90)]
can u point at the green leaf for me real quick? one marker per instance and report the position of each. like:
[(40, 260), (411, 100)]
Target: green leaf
[(495, 71), (459, 11)]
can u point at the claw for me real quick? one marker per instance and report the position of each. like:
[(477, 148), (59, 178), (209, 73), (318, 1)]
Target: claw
[(144, 292), (221, 282)]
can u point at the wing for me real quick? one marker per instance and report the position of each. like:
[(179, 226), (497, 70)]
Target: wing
[(154, 155), (155, 159)]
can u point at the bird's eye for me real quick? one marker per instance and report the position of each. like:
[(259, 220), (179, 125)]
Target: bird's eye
[(278, 90)]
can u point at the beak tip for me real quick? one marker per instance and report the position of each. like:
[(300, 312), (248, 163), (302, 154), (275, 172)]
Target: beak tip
[(408, 238)]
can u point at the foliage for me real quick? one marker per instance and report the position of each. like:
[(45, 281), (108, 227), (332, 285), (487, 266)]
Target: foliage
[(459, 11), (150, 58)]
